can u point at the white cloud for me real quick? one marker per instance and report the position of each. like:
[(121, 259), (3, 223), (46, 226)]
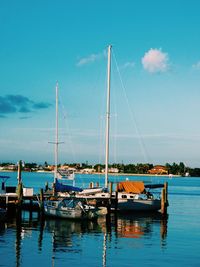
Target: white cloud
[(90, 59), (196, 66), (155, 61)]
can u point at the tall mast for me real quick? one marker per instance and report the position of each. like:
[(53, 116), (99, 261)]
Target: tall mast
[(108, 116), (56, 136)]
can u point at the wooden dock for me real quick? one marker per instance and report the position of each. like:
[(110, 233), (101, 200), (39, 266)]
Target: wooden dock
[(35, 202), (23, 198)]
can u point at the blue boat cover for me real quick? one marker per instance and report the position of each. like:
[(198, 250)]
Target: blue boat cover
[(66, 188), (4, 176)]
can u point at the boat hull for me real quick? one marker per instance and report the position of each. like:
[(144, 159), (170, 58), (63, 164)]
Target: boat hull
[(139, 205), (68, 213)]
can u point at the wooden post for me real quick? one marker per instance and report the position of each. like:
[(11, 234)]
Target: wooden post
[(54, 189), (46, 186), (41, 195), (41, 199), (111, 189), (164, 199), (20, 185), (19, 176), (166, 194), (116, 199), (20, 193)]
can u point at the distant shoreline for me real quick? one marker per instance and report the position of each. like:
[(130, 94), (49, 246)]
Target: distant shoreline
[(132, 174), (100, 173)]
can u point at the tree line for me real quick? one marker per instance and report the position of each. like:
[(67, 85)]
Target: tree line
[(139, 168)]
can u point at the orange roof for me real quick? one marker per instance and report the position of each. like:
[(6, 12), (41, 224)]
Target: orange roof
[(158, 170), (160, 167)]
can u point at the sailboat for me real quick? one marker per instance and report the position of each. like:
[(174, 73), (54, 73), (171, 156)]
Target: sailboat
[(130, 195), (68, 206), (60, 176)]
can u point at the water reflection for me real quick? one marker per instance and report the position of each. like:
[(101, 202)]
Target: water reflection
[(140, 225), (132, 226), (69, 236), (65, 232)]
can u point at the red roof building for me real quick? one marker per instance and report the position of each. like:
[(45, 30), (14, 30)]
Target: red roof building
[(160, 170)]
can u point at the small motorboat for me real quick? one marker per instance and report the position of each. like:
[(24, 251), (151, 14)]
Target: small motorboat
[(70, 208)]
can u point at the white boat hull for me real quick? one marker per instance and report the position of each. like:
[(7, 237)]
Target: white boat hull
[(90, 191), (67, 214), (54, 209)]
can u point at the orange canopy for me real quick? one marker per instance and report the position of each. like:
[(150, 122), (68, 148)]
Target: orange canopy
[(135, 187)]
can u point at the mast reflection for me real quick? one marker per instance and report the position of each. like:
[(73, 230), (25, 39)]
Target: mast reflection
[(64, 231)]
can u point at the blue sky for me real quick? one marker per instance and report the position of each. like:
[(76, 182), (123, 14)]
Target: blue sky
[(155, 80)]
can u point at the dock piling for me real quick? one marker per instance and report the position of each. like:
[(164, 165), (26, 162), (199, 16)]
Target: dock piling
[(116, 199), (41, 200), (164, 199), (91, 185), (20, 193)]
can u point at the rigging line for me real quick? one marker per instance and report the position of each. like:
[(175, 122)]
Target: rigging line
[(64, 113), (115, 137), (142, 146)]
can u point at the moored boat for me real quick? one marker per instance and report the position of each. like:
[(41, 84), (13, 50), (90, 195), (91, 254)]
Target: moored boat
[(130, 195), (125, 198), (135, 196), (70, 208)]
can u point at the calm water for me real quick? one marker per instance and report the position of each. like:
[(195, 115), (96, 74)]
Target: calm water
[(133, 240)]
